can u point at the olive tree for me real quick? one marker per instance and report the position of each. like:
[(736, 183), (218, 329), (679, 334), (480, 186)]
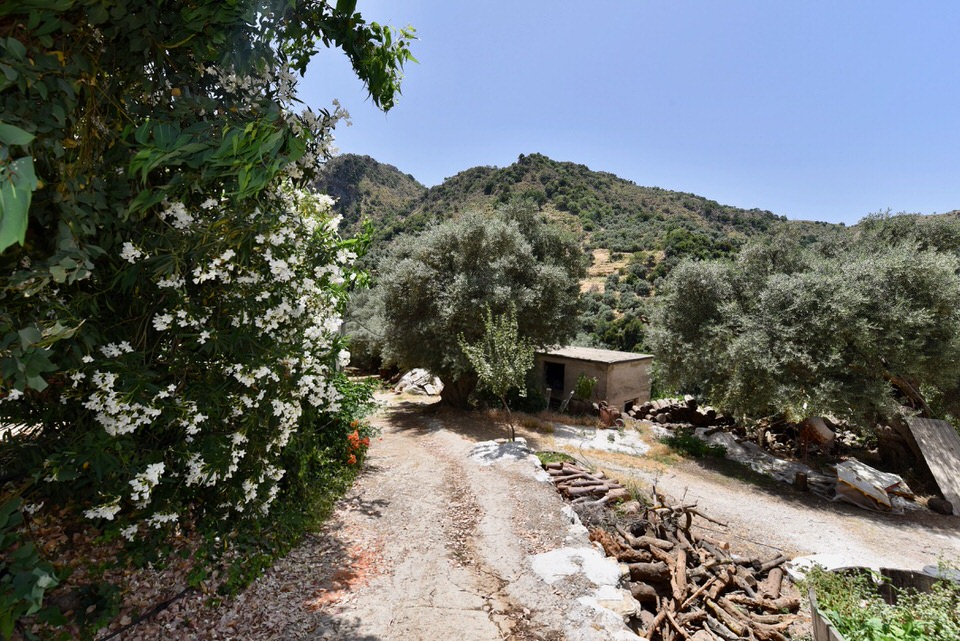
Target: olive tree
[(501, 359), (855, 332), (435, 287)]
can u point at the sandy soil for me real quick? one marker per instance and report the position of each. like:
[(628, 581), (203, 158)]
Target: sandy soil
[(431, 544)]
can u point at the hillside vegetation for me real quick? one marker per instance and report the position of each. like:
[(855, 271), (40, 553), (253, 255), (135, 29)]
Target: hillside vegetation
[(610, 212), (634, 235)]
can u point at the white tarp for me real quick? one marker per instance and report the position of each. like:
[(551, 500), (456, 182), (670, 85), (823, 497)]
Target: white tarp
[(864, 486)]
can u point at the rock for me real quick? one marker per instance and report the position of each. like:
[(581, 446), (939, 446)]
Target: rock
[(940, 506), (630, 507), (419, 381)]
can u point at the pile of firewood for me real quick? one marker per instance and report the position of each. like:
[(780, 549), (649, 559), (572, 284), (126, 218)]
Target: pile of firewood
[(690, 585), (679, 410), (579, 485)]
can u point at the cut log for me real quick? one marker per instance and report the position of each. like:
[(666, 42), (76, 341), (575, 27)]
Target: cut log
[(679, 578), (695, 615), (644, 542), (657, 572), (771, 586), (783, 604), (657, 620), (617, 494), (721, 630), (723, 580), (629, 555), (585, 482), (651, 541), (590, 489), (663, 556), (773, 563), (732, 622), (676, 626), (643, 592)]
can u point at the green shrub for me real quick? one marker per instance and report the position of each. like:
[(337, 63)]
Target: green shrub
[(682, 440), (851, 601), (583, 388), (170, 327)]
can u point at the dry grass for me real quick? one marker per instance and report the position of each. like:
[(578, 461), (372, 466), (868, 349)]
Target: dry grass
[(602, 266), (586, 420)]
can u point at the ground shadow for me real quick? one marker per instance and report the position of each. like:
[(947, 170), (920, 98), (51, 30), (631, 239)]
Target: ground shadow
[(367, 508), (333, 628), (475, 425)]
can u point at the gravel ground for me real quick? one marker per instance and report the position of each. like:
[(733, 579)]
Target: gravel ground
[(433, 544)]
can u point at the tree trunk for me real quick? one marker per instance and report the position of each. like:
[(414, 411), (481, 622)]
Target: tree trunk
[(457, 393)]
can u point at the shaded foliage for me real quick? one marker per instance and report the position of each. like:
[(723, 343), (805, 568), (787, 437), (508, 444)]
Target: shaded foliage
[(435, 288), (851, 329)]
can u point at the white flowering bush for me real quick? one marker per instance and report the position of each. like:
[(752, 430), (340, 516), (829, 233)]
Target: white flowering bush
[(237, 348), (170, 345)]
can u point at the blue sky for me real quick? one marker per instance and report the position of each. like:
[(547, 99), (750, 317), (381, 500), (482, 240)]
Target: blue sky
[(815, 110)]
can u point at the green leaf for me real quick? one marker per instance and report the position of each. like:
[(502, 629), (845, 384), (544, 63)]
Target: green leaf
[(10, 135), (98, 14), (346, 7), (15, 48), (37, 382), (29, 336), (24, 177), (14, 205), (9, 516)]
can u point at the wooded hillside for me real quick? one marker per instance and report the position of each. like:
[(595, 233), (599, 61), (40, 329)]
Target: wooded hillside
[(610, 212)]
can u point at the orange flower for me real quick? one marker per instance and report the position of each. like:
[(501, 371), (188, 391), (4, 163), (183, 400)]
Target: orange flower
[(351, 460)]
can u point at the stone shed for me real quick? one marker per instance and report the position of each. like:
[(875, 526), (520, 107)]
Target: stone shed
[(623, 378)]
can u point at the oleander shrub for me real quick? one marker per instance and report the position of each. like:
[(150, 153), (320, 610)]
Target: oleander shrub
[(171, 287)]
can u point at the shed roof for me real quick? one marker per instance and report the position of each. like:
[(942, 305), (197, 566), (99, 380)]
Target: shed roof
[(595, 355)]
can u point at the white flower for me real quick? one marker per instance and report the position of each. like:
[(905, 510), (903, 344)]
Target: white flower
[(106, 511), (144, 482), (112, 350), (171, 283), (159, 519), (130, 252), (181, 219), (13, 394), (32, 508), (129, 532), (162, 322), (87, 359)]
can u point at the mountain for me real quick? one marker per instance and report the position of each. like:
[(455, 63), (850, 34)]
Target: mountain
[(369, 190), (608, 212)]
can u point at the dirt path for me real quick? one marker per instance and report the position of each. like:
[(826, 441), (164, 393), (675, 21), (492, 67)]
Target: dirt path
[(454, 541), (773, 516), (432, 544)]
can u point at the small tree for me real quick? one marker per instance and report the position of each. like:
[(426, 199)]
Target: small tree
[(501, 358)]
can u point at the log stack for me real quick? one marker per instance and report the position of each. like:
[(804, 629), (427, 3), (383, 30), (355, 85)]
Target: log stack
[(679, 410), (579, 486), (690, 585)]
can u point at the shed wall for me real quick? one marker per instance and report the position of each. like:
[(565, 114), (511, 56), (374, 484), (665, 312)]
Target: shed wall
[(617, 383)]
